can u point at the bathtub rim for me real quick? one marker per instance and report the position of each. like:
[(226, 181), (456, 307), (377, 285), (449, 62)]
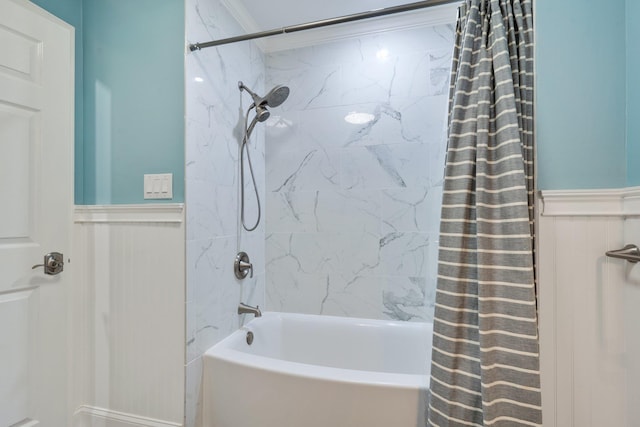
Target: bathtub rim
[(223, 352)]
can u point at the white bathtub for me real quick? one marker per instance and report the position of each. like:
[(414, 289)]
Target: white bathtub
[(318, 371)]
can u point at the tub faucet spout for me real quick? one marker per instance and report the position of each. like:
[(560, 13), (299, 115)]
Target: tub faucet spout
[(247, 309)]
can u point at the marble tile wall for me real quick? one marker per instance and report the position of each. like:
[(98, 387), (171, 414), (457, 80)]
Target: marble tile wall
[(350, 211), (353, 208), (215, 110)]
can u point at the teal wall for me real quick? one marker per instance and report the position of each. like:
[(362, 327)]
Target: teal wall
[(70, 11), (633, 93), (581, 93), (133, 97), (129, 95)]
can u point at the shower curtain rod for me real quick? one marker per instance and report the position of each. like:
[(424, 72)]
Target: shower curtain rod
[(324, 23)]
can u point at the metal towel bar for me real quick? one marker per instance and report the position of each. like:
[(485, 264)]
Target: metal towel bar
[(630, 253)]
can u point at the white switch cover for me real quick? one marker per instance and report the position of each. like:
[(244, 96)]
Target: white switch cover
[(158, 186)]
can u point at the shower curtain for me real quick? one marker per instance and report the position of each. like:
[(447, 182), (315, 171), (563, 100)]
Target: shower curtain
[(485, 363)]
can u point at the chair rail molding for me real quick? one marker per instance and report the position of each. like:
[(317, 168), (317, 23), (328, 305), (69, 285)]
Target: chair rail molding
[(617, 202), (150, 213)]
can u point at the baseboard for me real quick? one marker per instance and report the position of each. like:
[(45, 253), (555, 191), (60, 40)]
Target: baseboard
[(89, 416), (26, 423)]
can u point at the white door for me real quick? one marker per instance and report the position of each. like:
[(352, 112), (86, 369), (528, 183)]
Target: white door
[(36, 199)]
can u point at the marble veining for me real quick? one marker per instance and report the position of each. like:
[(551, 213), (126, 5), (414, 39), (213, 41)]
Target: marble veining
[(383, 156), (353, 209), (289, 182), (406, 299), (382, 112)]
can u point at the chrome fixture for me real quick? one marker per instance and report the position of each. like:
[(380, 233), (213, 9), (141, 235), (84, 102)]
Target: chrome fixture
[(242, 266), (249, 337), (247, 309), (325, 22), (53, 263), (274, 98), (629, 253)]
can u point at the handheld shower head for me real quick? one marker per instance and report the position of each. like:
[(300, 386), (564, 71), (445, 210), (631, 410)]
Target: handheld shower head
[(274, 98), (262, 113)]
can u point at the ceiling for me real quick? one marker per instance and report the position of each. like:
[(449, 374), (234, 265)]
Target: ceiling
[(260, 15), (272, 14)]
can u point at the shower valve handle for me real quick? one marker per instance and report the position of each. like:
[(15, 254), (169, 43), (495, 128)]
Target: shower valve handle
[(242, 266)]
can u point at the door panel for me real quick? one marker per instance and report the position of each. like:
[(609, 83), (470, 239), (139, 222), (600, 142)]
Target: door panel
[(20, 129), (16, 137), (36, 190), (14, 395), (20, 54)]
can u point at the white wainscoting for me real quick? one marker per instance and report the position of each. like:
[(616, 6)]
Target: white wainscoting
[(632, 322), (128, 322), (586, 318)]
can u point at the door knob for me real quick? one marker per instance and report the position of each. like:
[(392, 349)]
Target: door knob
[(53, 263)]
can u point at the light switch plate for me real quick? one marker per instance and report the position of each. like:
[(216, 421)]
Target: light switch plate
[(158, 186)]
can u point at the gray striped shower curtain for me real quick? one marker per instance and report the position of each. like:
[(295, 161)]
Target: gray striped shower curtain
[(485, 362)]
